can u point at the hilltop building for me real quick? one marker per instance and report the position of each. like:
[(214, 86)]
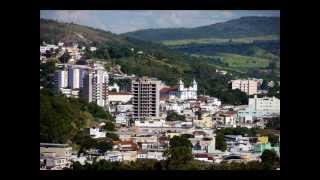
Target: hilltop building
[(249, 86)]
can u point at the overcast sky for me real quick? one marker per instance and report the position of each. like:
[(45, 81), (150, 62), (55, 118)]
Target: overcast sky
[(120, 21)]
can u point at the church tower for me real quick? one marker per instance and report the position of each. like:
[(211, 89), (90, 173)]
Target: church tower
[(180, 85), (194, 85)]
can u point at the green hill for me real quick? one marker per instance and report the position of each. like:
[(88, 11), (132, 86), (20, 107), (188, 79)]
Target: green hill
[(53, 31), (237, 28)]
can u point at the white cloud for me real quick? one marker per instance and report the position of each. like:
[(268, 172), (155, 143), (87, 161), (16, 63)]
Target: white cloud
[(119, 21), (227, 13)]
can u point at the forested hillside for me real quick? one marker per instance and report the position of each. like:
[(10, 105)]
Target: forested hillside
[(236, 28)]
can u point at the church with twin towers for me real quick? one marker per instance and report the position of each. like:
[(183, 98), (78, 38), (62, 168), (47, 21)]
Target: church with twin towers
[(184, 93)]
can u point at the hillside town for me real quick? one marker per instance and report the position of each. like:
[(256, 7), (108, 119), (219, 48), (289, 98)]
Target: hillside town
[(147, 113)]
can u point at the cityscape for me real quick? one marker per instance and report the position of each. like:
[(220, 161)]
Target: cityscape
[(157, 99)]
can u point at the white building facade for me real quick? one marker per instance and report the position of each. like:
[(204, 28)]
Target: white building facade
[(96, 86), (185, 93), (61, 79), (261, 107)]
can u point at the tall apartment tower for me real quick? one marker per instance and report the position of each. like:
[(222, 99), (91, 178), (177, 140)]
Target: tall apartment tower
[(74, 77), (246, 85), (95, 86), (61, 78), (145, 98)]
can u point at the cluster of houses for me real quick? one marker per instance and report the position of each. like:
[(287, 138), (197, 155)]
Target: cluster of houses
[(76, 52), (140, 114), (150, 143)]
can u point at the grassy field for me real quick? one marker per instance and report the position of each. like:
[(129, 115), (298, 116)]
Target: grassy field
[(247, 40), (238, 62)]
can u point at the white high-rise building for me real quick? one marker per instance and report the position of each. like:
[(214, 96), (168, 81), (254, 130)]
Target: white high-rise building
[(61, 78), (184, 93), (74, 77), (146, 98), (76, 74), (90, 82), (249, 86), (95, 86)]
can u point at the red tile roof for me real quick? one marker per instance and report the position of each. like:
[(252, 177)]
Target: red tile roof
[(167, 90), (202, 155)]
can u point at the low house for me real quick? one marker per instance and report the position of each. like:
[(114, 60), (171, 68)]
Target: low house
[(145, 139), (55, 156), (225, 119), (155, 155), (202, 145), (125, 145), (199, 134), (168, 93), (97, 132), (122, 119), (125, 137), (143, 154), (113, 156), (129, 155)]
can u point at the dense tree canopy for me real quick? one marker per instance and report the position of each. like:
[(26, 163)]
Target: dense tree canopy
[(46, 75), (59, 119), (109, 126), (220, 142), (173, 116), (150, 164), (65, 57), (270, 159), (240, 131), (62, 118), (274, 123), (179, 152)]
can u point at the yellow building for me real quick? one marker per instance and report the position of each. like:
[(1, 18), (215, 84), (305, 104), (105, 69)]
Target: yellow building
[(171, 134), (205, 122), (263, 139)]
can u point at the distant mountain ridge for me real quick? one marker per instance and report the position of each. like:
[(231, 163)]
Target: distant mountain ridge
[(51, 30), (250, 26)]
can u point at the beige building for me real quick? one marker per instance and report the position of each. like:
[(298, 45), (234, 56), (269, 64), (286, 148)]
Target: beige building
[(249, 86), (205, 121), (129, 155), (146, 97)]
